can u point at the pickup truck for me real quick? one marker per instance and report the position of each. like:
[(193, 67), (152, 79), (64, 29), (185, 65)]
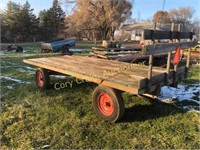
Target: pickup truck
[(58, 45)]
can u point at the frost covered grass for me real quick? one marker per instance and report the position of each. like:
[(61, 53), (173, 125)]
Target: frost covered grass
[(64, 119)]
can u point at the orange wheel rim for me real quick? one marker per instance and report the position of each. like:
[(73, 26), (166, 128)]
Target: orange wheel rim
[(105, 104), (40, 79)]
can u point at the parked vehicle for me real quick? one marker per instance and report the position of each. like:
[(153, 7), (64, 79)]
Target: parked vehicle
[(58, 45), (15, 47)]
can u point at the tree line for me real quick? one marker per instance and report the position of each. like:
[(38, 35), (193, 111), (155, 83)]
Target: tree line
[(19, 23), (91, 19)]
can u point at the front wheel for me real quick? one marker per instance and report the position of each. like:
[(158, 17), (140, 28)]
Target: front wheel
[(42, 79), (108, 103)]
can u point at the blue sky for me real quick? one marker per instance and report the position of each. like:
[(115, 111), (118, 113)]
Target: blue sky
[(146, 8)]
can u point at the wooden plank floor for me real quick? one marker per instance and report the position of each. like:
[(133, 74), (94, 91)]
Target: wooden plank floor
[(119, 75)]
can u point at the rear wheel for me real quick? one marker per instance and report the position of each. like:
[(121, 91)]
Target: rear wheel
[(42, 79), (65, 50), (19, 49), (108, 103)]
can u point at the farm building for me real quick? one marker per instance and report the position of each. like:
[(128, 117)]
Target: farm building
[(134, 31)]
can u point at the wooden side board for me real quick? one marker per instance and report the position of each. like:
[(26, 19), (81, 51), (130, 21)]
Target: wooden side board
[(158, 34), (163, 48), (100, 48)]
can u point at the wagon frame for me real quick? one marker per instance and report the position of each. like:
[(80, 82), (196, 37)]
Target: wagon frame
[(141, 80)]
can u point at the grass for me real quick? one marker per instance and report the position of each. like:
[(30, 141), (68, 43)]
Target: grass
[(193, 75), (64, 119)]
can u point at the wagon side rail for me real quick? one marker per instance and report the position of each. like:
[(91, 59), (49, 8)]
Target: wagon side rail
[(171, 76)]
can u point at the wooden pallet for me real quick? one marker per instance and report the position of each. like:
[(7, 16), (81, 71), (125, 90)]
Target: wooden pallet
[(121, 54)]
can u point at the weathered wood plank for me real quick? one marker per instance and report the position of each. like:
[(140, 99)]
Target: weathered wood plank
[(67, 72), (99, 65), (163, 48), (185, 35), (118, 75), (121, 87), (168, 62), (158, 34), (92, 69), (155, 80), (93, 74), (89, 71), (114, 53), (99, 69), (188, 58), (150, 67), (167, 35), (118, 85), (100, 48)]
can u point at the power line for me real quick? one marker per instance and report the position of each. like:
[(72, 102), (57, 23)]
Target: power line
[(163, 7)]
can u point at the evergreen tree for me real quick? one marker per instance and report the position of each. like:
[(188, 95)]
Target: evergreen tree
[(58, 17), (11, 21), (28, 21), (52, 21), (19, 21)]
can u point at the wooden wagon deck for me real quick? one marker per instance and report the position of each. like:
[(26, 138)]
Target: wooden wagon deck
[(127, 77)]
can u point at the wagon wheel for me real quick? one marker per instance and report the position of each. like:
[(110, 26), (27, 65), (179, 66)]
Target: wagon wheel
[(65, 50), (19, 49), (108, 103), (42, 79)]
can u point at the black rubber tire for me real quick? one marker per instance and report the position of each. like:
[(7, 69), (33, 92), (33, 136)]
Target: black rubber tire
[(19, 49), (64, 50), (117, 100), (45, 77)]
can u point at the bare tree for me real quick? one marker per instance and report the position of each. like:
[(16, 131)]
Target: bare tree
[(161, 17), (196, 27), (181, 15), (79, 23), (73, 28), (104, 15)]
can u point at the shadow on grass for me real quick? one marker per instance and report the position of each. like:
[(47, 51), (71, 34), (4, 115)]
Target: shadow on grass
[(73, 87), (137, 113), (140, 113)]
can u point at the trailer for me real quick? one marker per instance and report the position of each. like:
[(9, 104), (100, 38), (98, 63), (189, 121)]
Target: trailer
[(15, 47), (114, 77), (58, 45)]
